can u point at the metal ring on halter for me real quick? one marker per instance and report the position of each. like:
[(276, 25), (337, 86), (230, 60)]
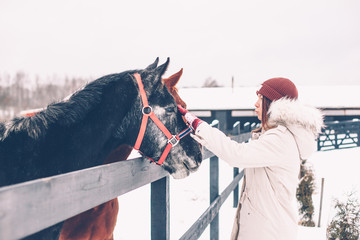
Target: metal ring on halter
[(173, 141), (147, 107)]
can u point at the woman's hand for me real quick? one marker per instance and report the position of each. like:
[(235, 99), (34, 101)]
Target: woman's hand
[(190, 118)]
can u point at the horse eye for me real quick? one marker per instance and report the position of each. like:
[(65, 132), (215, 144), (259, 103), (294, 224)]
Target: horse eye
[(170, 109)]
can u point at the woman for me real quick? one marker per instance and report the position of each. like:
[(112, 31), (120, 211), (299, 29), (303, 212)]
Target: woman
[(271, 160)]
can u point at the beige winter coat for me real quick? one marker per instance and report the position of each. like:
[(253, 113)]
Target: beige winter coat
[(271, 160)]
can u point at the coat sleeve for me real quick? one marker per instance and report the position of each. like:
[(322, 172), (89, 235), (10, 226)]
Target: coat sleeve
[(266, 151)]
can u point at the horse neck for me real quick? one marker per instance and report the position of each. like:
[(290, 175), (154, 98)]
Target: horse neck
[(67, 136), (112, 115), (87, 122)]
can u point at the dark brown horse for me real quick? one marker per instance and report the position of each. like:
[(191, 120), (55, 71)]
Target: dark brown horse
[(99, 222), (86, 129)]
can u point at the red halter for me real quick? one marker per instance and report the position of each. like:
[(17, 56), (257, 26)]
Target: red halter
[(147, 112)]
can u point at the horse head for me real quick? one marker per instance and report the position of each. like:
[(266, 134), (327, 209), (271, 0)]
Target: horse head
[(184, 157), (123, 151)]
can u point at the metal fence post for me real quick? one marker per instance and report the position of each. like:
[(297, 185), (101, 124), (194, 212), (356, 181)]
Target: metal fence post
[(321, 200), (236, 131), (247, 127), (160, 209), (214, 186), (236, 128), (214, 193)]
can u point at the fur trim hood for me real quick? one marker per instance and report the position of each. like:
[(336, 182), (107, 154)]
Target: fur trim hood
[(304, 122)]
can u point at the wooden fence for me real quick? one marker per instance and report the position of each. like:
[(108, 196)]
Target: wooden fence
[(29, 207)]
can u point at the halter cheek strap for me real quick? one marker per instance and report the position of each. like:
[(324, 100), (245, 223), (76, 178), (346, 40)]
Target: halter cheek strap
[(147, 112)]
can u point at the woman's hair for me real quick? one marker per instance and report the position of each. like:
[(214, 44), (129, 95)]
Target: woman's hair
[(265, 109), (264, 115)]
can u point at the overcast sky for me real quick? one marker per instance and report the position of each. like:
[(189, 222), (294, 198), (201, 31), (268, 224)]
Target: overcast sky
[(308, 41)]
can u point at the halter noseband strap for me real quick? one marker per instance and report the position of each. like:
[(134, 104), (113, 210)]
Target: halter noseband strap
[(147, 112)]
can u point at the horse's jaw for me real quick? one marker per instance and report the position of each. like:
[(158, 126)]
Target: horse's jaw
[(180, 165), (181, 175)]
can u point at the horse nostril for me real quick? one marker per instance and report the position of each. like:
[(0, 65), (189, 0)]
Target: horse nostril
[(192, 166), (186, 166)]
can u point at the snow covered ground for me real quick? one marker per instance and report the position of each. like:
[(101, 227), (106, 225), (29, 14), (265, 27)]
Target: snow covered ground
[(189, 198)]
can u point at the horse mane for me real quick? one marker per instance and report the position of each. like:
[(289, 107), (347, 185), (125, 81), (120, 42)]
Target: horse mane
[(2, 129), (65, 112)]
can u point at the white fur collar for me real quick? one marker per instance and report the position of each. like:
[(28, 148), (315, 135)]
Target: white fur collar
[(289, 112)]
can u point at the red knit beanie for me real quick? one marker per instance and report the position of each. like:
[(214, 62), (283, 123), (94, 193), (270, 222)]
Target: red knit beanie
[(276, 88)]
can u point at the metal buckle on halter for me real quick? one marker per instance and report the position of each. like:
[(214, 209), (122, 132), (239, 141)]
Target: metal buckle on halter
[(173, 141), (146, 110)]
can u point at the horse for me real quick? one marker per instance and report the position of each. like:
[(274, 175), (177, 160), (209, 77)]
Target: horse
[(99, 222), (82, 131)]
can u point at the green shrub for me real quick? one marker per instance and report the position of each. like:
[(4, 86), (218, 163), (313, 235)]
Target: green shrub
[(304, 196), (345, 224)]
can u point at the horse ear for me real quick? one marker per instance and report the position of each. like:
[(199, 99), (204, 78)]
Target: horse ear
[(152, 77), (157, 73), (162, 68), (171, 81), (153, 65)]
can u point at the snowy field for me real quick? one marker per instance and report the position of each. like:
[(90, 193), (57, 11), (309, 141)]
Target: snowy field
[(189, 198)]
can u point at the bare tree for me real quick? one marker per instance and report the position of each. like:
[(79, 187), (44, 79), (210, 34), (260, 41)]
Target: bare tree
[(210, 83), (16, 95)]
